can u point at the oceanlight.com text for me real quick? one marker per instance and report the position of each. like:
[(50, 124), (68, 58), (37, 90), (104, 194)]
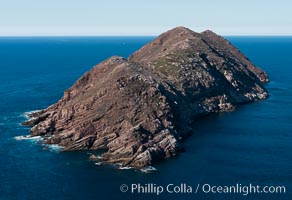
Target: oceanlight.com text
[(184, 188)]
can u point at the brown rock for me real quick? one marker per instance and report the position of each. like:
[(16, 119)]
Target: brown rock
[(138, 109)]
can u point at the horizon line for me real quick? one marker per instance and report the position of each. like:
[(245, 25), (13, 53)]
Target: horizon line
[(134, 35)]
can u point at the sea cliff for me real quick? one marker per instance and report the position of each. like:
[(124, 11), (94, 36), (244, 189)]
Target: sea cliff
[(138, 109)]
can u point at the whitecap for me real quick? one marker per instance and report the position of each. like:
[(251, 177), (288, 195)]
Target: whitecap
[(148, 169), (53, 147), (98, 163), (28, 137), (31, 112), (122, 168), (95, 156), (26, 114)]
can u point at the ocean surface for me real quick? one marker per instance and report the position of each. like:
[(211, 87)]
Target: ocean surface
[(251, 145)]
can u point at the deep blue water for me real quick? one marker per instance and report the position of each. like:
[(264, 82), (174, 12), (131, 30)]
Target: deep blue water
[(251, 145)]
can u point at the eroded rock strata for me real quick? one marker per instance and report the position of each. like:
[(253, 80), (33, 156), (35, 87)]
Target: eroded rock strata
[(138, 109)]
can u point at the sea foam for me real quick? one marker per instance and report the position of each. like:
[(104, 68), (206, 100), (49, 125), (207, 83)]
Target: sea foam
[(98, 163), (148, 169), (53, 147), (123, 168), (28, 137), (26, 114)]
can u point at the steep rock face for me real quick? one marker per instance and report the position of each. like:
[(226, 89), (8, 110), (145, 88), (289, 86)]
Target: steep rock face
[(116, 106), (138, 109), (206, 71)]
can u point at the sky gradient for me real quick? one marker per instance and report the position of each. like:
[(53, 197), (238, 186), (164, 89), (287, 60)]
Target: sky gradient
[(143, 17)]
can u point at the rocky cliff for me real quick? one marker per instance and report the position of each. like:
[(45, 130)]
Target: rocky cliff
[(138, 109)]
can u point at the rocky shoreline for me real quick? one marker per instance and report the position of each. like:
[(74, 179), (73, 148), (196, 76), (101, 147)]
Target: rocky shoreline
[(139, 109)]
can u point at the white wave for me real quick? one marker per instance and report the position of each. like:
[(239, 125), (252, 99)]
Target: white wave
[(148, 169), (27, 137), (98, 163), (95, 156), (54, 147), (122, 168), (31, 112), (26, 114)]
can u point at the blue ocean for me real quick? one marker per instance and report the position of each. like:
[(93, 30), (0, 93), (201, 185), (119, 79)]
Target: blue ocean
[(252, 145)]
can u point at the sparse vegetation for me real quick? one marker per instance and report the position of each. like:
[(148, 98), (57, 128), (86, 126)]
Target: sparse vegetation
[(171, 64)]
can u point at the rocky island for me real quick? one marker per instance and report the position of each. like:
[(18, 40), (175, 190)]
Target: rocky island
[(138, 109)]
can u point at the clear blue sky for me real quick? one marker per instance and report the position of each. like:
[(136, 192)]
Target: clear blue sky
[(144, 17)]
